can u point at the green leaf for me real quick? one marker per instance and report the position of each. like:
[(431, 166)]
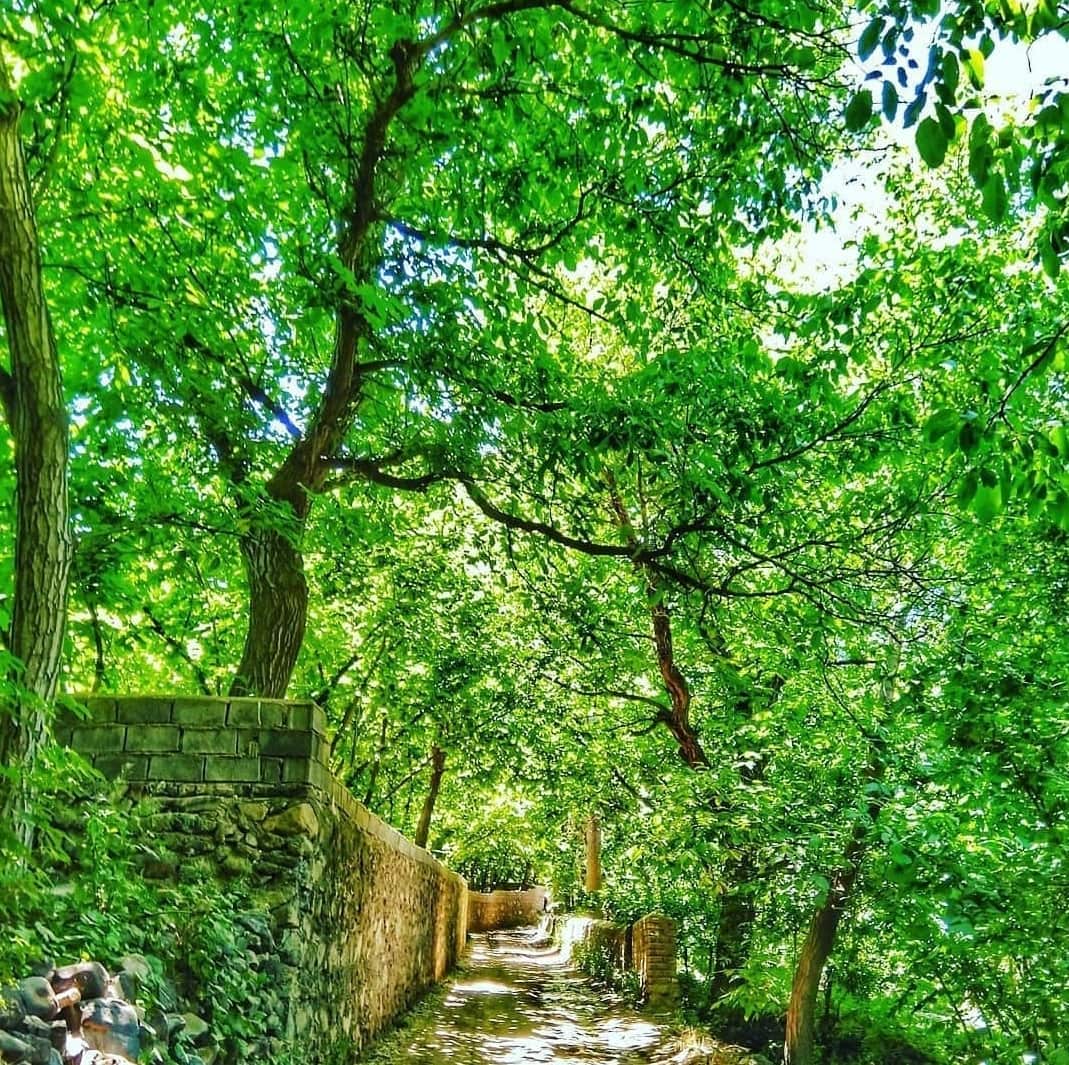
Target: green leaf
[(931, 142), (890, 100), (950, 73), (1060, 439), (993, 197), (859, 110), (940, 424), (912, 112), (980, 158), (967, 490), (870, 38), (987, 503), (969, 437), (974, 67), (1049, 259)]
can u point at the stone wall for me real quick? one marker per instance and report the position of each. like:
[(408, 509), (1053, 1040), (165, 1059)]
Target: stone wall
[(505, 909), (363, 920)]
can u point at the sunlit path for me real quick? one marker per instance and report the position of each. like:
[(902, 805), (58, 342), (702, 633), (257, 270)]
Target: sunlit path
[(519, 1002)]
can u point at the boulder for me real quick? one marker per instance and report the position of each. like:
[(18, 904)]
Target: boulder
[(38, 998), (90, 977), (297, 820), (111, 1026)]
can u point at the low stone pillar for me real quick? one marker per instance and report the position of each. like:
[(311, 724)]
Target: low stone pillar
[(653, 946)]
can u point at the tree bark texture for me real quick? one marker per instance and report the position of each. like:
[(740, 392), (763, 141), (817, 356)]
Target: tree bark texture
[(278, 611), (820, 939), (33, 402), (592, 835), (816, 949), (423, 829)]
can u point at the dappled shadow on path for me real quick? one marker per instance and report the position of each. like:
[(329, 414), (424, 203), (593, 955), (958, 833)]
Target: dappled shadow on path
[(519, 1001)]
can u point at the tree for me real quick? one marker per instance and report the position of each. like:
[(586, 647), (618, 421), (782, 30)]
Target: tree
[(421, 276), (33, 402)]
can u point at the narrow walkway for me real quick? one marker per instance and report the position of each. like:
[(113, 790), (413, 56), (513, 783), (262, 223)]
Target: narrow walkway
[(519, 1002)]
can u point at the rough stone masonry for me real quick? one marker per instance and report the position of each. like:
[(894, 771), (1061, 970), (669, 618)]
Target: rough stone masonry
[(363, 919)]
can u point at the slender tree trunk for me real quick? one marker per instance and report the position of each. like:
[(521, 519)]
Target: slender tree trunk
[(816, 949), (100, 669), (592, 835), (278, 611), (823, 928), (379, 755), (423, 829), (32, 396), (824, 925)]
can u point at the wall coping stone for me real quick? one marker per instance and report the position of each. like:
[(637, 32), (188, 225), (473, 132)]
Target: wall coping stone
[(280, 748)]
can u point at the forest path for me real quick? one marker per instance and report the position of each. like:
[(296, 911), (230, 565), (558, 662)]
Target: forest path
[(519, 1001)]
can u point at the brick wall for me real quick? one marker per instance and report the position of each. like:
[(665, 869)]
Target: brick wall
[(363, 919), (647, 947), (653, 957)]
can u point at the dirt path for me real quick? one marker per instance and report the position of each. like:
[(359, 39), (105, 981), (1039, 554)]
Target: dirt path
[(519, 1002)]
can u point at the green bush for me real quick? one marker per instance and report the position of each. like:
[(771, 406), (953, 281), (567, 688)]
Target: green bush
[(82, 893)]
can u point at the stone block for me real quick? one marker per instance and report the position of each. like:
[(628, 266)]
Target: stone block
[(248, 742), (206, 712), (138, 710), (319, 776), (271, 770), (300, 716), (295, 770), (243, 713), (181, 767), (152, 738), (285, 744), (89, 740), (101, 708), (210, 740), (218, 768), (128, 766), (274, 714), (299, 819)]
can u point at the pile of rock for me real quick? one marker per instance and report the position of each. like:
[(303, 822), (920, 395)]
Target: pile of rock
[(81, 1015)]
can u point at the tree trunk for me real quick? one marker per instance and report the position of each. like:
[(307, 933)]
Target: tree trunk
[(817, 948), (278, 610), (734, 931), (437, 772), (820, 939), (33, 403), (593, 854)]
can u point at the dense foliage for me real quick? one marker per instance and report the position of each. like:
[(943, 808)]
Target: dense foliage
[(473, 369)]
